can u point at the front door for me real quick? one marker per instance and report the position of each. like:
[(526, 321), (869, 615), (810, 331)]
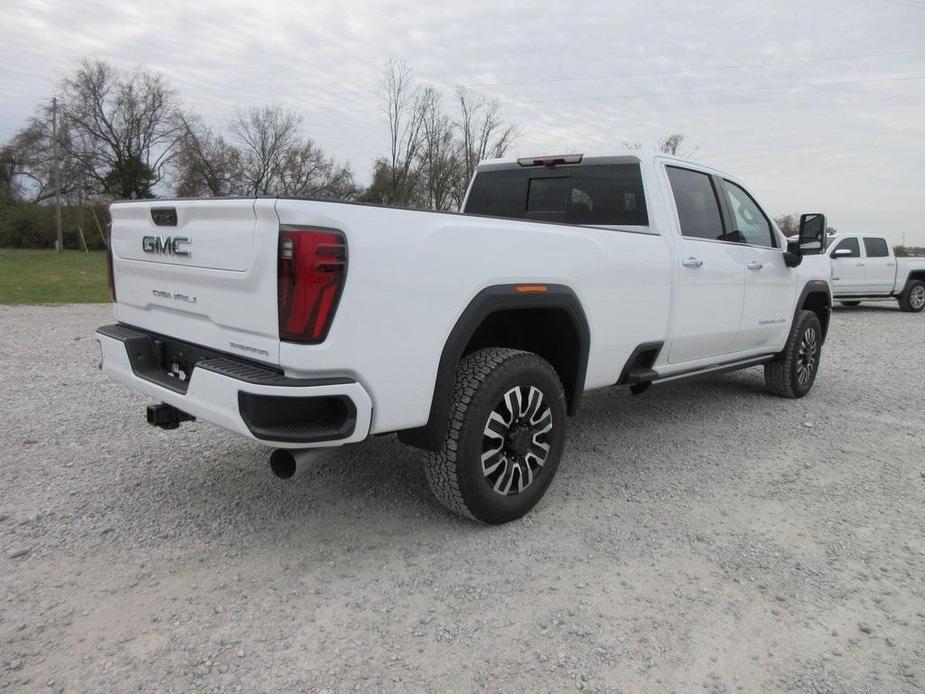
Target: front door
[(769, 284), (710, 271), (848, 275)]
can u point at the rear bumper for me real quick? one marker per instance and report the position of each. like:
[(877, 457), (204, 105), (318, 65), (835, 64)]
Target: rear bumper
[(245, 398)]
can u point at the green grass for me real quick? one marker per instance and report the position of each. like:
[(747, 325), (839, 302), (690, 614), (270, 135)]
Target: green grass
[(46, 277)]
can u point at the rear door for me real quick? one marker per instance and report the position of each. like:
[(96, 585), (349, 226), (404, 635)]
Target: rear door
[(848, 275), (880, 266), (769, 284), (710, 284), (203, 271)]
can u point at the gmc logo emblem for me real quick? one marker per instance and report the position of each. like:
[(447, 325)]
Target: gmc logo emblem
[(166, 245)]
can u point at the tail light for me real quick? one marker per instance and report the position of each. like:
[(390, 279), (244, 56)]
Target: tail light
[(312, 267), (109, 273)]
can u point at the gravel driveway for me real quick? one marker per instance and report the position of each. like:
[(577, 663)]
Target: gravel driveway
[(698, 537)]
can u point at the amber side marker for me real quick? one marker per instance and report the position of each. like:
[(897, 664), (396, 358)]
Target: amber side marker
[(531, 288)]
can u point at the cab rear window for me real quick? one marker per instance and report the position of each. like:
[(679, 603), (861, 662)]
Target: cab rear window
[(598, 194)]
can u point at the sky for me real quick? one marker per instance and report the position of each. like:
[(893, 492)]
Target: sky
[(817, 106)]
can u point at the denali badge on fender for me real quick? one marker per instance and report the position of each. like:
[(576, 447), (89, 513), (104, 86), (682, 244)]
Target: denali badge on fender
[(166, 245)]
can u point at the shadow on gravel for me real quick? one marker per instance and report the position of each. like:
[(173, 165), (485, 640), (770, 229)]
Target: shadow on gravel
[(195, 485), (383, 469)]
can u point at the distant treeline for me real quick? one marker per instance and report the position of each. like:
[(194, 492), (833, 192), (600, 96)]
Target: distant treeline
[(29, 225)]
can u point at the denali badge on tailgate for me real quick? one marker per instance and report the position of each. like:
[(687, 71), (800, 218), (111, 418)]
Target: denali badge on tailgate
[(166, 245)]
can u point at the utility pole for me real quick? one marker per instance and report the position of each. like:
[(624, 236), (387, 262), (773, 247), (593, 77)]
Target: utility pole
[(55, 171)]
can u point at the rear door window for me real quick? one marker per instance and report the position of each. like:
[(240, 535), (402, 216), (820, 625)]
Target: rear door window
[(876, 248), (594, 194), (697, 204)]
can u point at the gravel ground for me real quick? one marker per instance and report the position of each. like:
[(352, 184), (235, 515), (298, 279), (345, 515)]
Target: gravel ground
[(698, 537)]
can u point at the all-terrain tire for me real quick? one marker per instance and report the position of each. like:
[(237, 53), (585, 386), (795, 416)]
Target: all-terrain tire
[(793, 371), (912, 300), (491, 384)]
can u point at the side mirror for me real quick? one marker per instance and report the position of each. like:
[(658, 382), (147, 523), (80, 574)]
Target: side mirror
[(812, 234), (841, 252)]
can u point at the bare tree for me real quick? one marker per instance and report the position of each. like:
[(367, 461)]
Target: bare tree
[(306, 172), (671, 144), (269, 155), (205, 163), (265, 136), (789, 224), (123, 128), (483, 135), (277, 159), (404, 106), (9, 185), (28, 164), (439, 160)]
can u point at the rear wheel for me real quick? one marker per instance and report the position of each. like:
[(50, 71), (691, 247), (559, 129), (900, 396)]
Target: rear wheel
[(505, 437), (912, 300), (850, 303), (793, 371)]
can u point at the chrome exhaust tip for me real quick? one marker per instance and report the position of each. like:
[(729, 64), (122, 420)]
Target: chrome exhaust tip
[(285, 463)]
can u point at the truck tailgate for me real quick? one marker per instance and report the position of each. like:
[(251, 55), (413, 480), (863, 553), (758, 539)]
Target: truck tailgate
[(200, 270)]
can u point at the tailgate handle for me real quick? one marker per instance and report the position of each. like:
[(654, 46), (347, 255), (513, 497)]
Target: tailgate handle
[(164, 216)]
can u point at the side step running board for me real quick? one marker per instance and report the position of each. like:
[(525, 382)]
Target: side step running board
[(639, 374), (713, 370)]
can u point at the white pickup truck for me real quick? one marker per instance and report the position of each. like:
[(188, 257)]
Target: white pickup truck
[(308, 324), (865, 268)]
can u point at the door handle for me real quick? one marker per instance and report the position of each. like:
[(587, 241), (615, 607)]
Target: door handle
[(692, 262), (754, 265), (860, 264), (890, 264)]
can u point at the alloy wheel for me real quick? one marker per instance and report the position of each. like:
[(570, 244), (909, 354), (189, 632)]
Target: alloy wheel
[(917, 297), (807, 356), (515, 441)]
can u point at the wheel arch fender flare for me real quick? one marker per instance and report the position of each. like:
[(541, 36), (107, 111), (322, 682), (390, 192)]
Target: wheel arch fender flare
[(493, 299), (812, 289), (912, 276)]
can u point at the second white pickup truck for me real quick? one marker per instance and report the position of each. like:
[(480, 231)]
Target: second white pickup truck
[(865, 268), (312, 324)]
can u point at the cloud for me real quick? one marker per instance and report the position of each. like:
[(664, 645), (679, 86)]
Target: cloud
[(816, 105)]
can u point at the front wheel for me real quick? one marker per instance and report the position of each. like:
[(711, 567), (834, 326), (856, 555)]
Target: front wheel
[(505, 436), (912, 300), (793, 371)]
